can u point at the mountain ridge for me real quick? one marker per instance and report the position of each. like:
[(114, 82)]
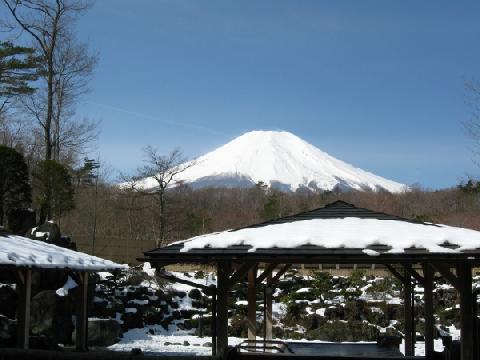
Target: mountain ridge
[(281, 160)]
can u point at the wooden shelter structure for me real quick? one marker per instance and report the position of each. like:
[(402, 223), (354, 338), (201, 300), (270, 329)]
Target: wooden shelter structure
[(339, 233), (25, 256)]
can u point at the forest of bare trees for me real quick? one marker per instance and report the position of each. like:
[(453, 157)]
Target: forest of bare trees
[(127, 223)]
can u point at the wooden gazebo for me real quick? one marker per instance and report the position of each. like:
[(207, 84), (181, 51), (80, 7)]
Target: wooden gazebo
[(339, 233), (23, 256)]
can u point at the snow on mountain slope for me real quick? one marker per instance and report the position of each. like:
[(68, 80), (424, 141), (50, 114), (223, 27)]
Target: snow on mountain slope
[(281, 160)]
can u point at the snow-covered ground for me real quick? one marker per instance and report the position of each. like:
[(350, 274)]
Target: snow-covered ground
[(167, 342), (182, 343)]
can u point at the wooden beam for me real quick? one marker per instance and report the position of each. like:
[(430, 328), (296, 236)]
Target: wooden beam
[(81, 322), (279, 274), (268, 270), (23, 310), (268, 305), (396, 273), (223, 272), (428, 303), (408, 312), (467, 324), (240, 273), (447, 274), (214, 324), (415, 274), (252, 305)]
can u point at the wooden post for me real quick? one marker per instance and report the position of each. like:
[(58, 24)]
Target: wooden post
[(252, 305), (428, 303), (408, 309), (223, 273), (268, 309), (464, 273), (214, 324), (23, 310), (81, 322)]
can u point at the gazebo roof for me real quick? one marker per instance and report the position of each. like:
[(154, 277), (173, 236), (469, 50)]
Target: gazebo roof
[(339, 232), (19, 251)]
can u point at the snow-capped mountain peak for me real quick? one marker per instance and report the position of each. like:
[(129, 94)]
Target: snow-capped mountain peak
[(280, 159)]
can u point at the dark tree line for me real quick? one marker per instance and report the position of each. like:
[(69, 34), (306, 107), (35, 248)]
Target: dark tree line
[(49, 182)]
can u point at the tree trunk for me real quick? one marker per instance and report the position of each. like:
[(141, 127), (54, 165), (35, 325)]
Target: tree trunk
[(162, 217), (48, 119)]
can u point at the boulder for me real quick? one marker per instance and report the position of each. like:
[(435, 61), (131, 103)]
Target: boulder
[(8, 301), (334, 313), (7, 331), (48, 232), (132, 320), (152, 316), (195, 294), (51, 315), (103, 332)]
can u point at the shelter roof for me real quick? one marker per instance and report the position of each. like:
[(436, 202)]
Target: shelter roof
[(23, 252), (340, 232)]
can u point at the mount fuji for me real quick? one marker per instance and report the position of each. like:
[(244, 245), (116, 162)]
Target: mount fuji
[(281, 160)]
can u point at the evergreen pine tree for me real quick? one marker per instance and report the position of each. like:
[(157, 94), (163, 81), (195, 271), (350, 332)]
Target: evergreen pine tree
[(15, 191), (18, 68), (54, 189)]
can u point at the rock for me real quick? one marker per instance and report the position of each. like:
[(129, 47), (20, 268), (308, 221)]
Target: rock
[(186, 343), (197, 304), (334, 313), (51, 315), (176, 305), (152, 316), (8, 301), (207, 344), (103, 332), (176, 315), (166, 322), (7, 331), (187, 324), (314, 321), (48, 232), (4, 333), (195, 294), (132, 320), (186, 314)]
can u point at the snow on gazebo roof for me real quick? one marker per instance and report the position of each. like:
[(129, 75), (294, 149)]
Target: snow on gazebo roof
[(325, 230), (23, 252)]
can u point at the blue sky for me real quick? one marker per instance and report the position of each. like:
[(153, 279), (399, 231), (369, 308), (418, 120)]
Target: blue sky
[(378, 84)]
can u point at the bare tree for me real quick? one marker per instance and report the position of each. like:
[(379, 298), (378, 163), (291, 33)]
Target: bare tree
[(74, 68), (66, 65), (162, 171)]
